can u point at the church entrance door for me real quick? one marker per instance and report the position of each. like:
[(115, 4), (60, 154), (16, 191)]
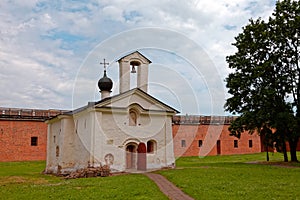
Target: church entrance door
[(142, 157), (131, 156)]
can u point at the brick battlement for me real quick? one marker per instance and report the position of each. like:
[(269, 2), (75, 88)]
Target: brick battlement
[(198, 119), (28, 114)]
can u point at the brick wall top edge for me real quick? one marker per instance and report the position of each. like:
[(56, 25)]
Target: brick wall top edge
[(34, 114), (199, 119), (40, 115)]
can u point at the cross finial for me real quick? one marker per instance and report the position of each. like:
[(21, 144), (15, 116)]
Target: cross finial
[(104, 64)]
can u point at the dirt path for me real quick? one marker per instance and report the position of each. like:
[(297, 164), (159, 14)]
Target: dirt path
[(168, 188)]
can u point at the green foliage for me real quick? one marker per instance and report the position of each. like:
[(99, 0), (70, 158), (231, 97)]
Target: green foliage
[(265, 84)]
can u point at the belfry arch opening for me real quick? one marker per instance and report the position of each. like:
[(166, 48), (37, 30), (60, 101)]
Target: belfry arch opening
[(134, 70)]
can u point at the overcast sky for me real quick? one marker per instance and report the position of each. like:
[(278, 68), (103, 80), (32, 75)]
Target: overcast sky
[(50, 50)]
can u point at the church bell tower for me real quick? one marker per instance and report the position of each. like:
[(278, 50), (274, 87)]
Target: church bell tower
[(131, 64)]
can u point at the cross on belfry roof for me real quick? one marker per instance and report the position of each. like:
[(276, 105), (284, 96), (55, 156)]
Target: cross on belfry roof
[(104, 64)]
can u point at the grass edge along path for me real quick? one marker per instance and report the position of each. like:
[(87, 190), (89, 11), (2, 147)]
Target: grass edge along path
[(168, 188), (221, 177)]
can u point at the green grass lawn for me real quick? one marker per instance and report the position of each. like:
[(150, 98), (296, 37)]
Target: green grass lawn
[(212, 177), (236, 177), (23, 180)]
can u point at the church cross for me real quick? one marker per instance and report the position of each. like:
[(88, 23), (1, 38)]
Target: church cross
[(104, 64)]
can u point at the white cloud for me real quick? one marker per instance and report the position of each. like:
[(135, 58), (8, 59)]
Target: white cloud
[(43, 43), (113, 13)]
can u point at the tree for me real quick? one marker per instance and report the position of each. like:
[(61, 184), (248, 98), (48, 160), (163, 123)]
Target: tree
[(265, 82)]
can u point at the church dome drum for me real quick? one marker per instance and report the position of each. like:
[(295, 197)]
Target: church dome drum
[(105, 83)]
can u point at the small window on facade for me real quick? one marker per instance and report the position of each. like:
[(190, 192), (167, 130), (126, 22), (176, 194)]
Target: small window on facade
[(183, 144), (132, 118), (57, 151), (250, 144), (200, 143), (235, 144), (151, 146), (54, 139), (34, 141)]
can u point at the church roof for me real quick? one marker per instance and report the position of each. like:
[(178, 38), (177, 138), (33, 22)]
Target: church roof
[(104, 102), (128, 55)]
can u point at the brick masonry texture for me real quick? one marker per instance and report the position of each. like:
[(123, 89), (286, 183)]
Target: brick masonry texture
[(15, 140), (209, 135)]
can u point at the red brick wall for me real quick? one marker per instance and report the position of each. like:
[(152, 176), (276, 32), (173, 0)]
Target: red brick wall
[(288, 146), (15, 140), (210, 134)]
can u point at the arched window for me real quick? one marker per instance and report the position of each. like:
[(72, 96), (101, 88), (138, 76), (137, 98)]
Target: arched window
[(132, 118), (151, 146)]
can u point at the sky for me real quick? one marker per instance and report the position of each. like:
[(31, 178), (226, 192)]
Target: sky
[(50, 51)]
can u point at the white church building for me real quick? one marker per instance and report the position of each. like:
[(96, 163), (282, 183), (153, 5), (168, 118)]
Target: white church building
[(131, 131)]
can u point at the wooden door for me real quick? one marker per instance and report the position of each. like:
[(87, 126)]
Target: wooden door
[(142, 157)]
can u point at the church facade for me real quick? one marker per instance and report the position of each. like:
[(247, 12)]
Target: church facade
[(131, 131)]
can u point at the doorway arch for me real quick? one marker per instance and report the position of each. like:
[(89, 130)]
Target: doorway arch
[(131, 155), (136, 156)]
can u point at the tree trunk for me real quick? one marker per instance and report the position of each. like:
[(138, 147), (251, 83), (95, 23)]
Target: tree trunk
[(293, 149), (285, 157)]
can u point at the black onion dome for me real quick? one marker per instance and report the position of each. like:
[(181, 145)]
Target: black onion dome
[(105, 83)]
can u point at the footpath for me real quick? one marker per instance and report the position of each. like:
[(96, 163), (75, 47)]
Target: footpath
[(168, 188)]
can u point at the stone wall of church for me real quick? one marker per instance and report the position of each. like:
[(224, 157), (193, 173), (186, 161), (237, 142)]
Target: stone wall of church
[(22, 140), (53, 146), (68, 147)]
